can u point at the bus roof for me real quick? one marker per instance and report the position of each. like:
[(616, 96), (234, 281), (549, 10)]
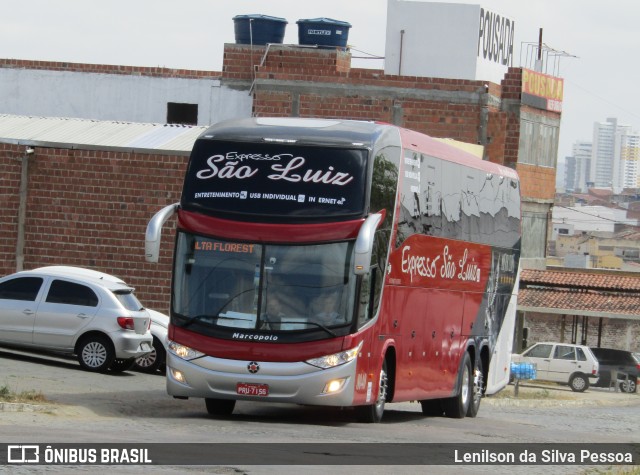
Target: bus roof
[(302, 131), (343, 132)]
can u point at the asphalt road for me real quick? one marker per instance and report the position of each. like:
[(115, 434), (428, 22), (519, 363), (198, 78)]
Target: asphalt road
[(132, 407)]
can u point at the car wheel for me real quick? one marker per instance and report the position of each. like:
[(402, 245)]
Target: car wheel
[(95, 353), (152, 362), (458, 406), (579, 383), (118, 366), (629, 386), (373, 412), (220, 407)]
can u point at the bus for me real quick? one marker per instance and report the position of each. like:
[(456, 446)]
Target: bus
[(340, 263)]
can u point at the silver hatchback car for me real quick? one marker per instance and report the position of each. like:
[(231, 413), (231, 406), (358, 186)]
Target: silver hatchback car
[(77, 311)]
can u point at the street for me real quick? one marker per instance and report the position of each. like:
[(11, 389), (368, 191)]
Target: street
[(132, 407)]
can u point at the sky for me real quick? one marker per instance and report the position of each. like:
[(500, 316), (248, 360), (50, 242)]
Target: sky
[(599, 41)]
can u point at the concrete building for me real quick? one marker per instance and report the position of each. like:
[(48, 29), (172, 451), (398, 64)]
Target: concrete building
[(630, 156), (606, 163), (121, 93), (578, 167)]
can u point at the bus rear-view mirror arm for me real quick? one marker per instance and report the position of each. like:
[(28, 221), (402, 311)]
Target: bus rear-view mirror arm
[(154, 232), (364, 244)]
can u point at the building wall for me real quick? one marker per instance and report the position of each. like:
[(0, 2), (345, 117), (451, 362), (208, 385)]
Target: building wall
[(103, 92), (90, 209), (616, 333), (10, 171)]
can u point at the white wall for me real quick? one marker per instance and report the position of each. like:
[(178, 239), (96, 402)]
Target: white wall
[(115, 97), (440, 40)]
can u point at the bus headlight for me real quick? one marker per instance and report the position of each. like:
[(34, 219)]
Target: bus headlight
[(330, 361), (334, 386), (182, 351)]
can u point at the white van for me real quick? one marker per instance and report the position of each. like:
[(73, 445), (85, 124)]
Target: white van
[(565, 363)]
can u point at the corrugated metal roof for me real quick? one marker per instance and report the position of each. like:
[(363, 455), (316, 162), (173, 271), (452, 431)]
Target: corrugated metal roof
[(84, 133)]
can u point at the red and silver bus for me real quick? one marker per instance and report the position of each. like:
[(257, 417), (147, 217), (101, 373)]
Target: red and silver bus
[(340, 263)]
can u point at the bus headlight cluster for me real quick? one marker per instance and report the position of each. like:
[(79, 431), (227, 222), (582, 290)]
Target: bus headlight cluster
[(330, 361), (182, 351)]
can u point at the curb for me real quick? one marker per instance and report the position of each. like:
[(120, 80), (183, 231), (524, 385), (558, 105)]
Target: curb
[(23, 407)]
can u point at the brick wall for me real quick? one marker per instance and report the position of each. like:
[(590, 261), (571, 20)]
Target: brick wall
[(90, 209), (537, 182), (305, 82), (616, 333), (10, 169)]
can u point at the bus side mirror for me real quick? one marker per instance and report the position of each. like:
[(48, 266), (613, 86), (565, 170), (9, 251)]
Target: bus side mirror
[(364, 244), (154, 232)]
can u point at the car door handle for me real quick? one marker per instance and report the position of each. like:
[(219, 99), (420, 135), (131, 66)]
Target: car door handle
[(28, 311), (82, 315)]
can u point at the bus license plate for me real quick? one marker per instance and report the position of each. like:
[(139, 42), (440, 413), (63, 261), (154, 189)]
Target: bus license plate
[(252, 389)]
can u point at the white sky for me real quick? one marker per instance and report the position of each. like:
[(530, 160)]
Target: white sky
[(190, 34)]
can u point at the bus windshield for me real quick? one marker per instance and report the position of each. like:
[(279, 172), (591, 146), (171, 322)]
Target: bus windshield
[(222, 285)]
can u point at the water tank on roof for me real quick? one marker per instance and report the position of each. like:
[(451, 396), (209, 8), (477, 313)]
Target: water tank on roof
[(323, 32), (258, 29)]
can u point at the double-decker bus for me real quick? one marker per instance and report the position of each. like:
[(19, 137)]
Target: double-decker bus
[(340, 263)]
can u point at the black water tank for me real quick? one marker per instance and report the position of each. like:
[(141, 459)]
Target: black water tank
[(323, 32), (259, 29)]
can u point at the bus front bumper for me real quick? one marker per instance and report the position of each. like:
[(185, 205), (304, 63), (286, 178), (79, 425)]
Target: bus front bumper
[(290, 382)]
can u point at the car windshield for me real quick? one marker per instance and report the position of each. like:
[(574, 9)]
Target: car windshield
[(128, 300), (234, 285)]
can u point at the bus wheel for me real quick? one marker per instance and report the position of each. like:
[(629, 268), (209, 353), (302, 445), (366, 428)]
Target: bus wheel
[(373, 412), (457, 406), (220, 407), (477, 388)]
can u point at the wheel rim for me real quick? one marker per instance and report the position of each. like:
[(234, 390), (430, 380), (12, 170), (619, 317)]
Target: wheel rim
[(147, 361), (477, 386), (382, 393), (464, 393), (578, 383), (628, 386), (94, 354)]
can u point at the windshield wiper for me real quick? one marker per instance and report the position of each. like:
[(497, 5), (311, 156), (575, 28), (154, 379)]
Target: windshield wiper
[(202, 316), (319, 325)]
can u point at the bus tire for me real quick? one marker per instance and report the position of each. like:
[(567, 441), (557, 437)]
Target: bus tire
[(220, 407), (458, 406), (477, 389), (372, 413)]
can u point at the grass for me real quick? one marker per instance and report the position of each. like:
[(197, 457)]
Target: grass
[(7, 395)]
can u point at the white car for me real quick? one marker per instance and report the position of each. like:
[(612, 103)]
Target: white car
[(77, 311), (156, 360), (565, 363)]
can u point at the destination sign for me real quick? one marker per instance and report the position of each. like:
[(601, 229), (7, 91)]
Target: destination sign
[(275, 180)]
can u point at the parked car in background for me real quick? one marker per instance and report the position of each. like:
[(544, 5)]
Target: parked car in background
[(72, 310), (564, 363), (617, 367), (155, 361)]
